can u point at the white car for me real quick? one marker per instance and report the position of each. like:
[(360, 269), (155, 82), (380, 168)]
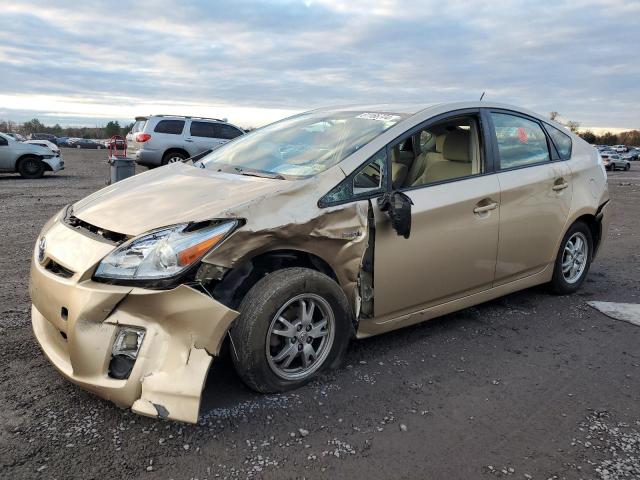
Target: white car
[(46, 144), (30, 161), (620, 148)]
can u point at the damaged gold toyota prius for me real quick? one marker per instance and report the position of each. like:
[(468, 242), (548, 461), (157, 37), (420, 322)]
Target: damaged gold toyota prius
[(288, 242)]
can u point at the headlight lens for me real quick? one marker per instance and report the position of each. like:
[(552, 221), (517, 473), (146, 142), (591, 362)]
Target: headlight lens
[(162, 253)]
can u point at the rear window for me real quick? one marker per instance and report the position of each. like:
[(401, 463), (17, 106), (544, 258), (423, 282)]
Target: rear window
[(173, 127), (561, 140), (138, 126)]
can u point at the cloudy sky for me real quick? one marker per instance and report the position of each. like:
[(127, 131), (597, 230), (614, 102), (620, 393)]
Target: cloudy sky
[(88, 62)]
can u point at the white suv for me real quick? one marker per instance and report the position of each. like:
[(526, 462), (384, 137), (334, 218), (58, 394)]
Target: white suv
[(161, 139)]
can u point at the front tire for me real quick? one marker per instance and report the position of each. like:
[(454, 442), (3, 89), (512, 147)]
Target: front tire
[(31, 168), (573, 259), (293, 324), (627, 167)]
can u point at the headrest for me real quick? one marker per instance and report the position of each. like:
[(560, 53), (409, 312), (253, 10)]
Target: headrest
[(440, 142), (456, 146)]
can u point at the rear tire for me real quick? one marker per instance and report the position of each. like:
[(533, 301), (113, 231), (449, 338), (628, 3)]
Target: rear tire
[(283, 318), (31, 168), (173, 157), (627, 167), (573, 259)]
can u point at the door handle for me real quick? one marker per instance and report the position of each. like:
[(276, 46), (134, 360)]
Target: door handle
[(188, 140), (486, 208), (560, 186)]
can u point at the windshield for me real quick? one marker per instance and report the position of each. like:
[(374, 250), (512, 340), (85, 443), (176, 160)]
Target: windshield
[(302, 145)]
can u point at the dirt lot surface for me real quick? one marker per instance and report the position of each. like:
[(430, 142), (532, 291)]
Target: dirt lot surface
[(527, 386)]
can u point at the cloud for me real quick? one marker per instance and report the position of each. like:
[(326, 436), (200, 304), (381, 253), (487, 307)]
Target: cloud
[(578, 58)]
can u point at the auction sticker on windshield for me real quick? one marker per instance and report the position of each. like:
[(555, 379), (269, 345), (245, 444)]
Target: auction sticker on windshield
[(383, 117)]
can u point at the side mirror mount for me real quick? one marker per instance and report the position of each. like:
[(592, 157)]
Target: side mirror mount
[(398, 207)]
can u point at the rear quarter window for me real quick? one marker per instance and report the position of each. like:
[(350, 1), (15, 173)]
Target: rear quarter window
[(172, 127), (228, 132), (561, 140)]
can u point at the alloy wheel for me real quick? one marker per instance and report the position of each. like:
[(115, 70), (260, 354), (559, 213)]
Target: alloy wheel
[(300, 337), (574, 257)]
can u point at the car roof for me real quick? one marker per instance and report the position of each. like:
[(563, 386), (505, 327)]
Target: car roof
[(421, 108)]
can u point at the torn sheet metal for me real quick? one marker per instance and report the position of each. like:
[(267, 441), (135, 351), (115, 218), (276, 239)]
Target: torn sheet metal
[(291, 219), (627, 312), (184, 328), (175, 394)]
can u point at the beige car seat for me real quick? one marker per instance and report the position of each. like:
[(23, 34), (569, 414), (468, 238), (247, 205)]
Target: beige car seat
[(424, 160), (456, 160)]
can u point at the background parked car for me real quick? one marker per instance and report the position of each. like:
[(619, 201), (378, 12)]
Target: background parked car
[(46, 144), (161, 139), (17, 136), (620, 148), (30, 161), (613, 161), (44, 136), (63, 141), (632, 154), (86, 143)]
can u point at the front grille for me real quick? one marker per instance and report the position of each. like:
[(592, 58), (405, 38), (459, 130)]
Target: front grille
[(58, 269), (74, 222)]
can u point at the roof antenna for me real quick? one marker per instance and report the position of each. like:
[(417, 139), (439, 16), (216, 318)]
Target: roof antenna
[(482, 96)]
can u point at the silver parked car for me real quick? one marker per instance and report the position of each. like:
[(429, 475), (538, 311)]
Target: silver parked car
[(612, 161), (161, 139), (30, 161)]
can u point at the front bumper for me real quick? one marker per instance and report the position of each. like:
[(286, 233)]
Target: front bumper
[(56, 163), (75, 321)]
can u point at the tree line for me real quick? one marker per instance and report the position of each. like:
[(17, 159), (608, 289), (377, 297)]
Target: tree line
[(36, 126), (630, 137)]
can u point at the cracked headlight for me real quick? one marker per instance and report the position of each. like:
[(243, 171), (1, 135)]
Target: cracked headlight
[(162, 253)]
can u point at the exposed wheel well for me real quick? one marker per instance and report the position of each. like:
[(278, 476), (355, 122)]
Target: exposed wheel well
[(175, 150), (237, 282)]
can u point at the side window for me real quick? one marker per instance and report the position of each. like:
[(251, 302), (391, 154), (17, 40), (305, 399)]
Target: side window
[(3, 141), (561, 140), (368, 179), (203, 129), (228, 132), (445, 150), (520, 141), (173, 127)]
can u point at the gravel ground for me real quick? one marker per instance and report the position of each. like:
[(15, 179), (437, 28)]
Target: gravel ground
[(527, 386)]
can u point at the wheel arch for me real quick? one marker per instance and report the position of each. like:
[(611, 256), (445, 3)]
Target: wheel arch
[(593, 222), (175, 150), (29, 155), (236, 282)]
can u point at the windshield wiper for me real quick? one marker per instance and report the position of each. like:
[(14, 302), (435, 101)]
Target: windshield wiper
[(259, 173)]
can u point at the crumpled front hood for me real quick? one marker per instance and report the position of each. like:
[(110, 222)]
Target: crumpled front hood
[(169, 195)]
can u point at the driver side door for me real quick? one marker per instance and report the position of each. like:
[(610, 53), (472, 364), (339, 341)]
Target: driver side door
[(452, 248)]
